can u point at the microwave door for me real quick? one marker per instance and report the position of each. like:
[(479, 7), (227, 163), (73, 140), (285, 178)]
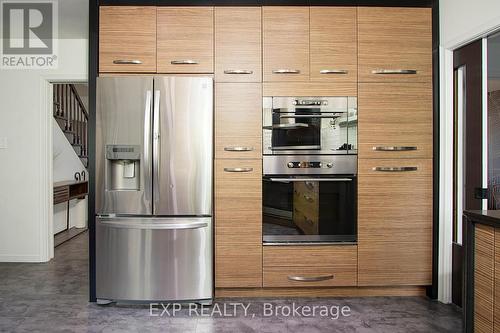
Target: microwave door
[(182, 146), (123, 146)]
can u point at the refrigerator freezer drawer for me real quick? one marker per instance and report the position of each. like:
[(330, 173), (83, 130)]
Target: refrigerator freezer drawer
[(154, 259)]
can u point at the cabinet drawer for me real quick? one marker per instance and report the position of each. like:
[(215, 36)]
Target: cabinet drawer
[(394, 41), (308, 266), (238, 120), (238, 39), (394, 222), (238, 223), (61, 194), (185, 39), (333, 47), (285, 43), (395, 120), (127, 39), (309, 276), (310, 256)]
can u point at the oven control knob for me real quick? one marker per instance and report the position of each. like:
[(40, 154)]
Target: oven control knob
[(329, 165), (290, 164)]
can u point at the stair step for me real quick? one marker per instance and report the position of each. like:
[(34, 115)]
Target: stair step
[(59, 117), (70, 137), (85, 161), (77, 149), (61, 122)]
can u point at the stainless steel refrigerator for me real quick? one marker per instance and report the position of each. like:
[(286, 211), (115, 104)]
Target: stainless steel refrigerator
[(154, 188)]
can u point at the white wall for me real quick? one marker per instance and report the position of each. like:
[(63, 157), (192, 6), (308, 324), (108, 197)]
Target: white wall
[(464, 20), (461, 22), (65, 163), (25, 122)]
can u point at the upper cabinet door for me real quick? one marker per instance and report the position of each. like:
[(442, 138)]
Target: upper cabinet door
[(334, 48), (127, 39), (238, 50), (185, 39), (395, 44), (286, 43)]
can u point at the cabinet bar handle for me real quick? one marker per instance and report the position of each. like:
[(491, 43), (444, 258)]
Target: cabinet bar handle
[(238, 169), (395, 169), (127, 62), (238, 148), (310, 278), (184, 62), (394, 148), (334, 71), (394, 71), (238, 71), (286, 71)]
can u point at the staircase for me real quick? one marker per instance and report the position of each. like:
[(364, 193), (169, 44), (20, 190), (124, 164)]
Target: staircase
[(72, 118)]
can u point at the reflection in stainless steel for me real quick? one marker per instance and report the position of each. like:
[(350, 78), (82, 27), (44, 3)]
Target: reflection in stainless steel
[(154, 260), (184, 146), (123, 107)]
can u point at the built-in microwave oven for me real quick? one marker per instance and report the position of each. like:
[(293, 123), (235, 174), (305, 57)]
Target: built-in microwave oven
[(309, 125)]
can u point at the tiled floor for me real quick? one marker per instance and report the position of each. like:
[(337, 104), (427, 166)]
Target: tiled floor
[(52, 297)]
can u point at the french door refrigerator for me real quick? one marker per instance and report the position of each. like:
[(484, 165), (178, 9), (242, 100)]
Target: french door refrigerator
[(154, 188)]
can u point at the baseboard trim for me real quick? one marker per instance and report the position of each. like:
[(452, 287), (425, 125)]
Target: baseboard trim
[(20, 258), (322, 292)]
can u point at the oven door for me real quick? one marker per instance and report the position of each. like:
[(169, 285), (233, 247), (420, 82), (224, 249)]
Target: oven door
[(309, 209)]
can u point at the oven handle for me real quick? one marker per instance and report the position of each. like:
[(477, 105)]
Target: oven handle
[(288, 180), (310, 116)]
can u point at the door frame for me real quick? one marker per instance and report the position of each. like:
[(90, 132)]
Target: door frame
[(46, 157), (446, 154)]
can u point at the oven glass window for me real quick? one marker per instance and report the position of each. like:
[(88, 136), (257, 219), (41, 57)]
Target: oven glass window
[(309, 211)]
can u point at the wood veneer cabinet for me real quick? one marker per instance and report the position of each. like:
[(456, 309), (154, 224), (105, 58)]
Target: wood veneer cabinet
[(395, 120), (238, 44), (333, 44), (185, 39), (127, 39), (484, 278), (285, 43), (238, 223), (497, 280), (238, 120), (394, 222), (310, 266), (394, 41)]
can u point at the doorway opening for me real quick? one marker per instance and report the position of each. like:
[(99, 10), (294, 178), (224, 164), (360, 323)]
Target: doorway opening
[(69, 160)]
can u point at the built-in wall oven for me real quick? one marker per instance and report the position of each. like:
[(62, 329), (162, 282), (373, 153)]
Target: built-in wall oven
[(309, 170)]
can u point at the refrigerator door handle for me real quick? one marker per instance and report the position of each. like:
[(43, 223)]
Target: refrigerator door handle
[(154, 226), (156, 147), (147, 146)]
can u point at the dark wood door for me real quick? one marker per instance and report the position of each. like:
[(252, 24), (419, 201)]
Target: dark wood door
[(468, 136)]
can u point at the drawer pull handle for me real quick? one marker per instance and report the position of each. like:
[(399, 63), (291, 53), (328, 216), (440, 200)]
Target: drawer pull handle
[(238, 169), (394, 71), (184, 62), (310, 278), (238, 148), (286, 71), (238, 71), (334, 71), (394, 148), (395, 169), (126, 62)]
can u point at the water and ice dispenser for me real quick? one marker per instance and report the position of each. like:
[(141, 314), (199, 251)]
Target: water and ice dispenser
[(123, 164)]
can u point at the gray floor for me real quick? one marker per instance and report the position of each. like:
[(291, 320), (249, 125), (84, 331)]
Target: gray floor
[(52, 297)]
